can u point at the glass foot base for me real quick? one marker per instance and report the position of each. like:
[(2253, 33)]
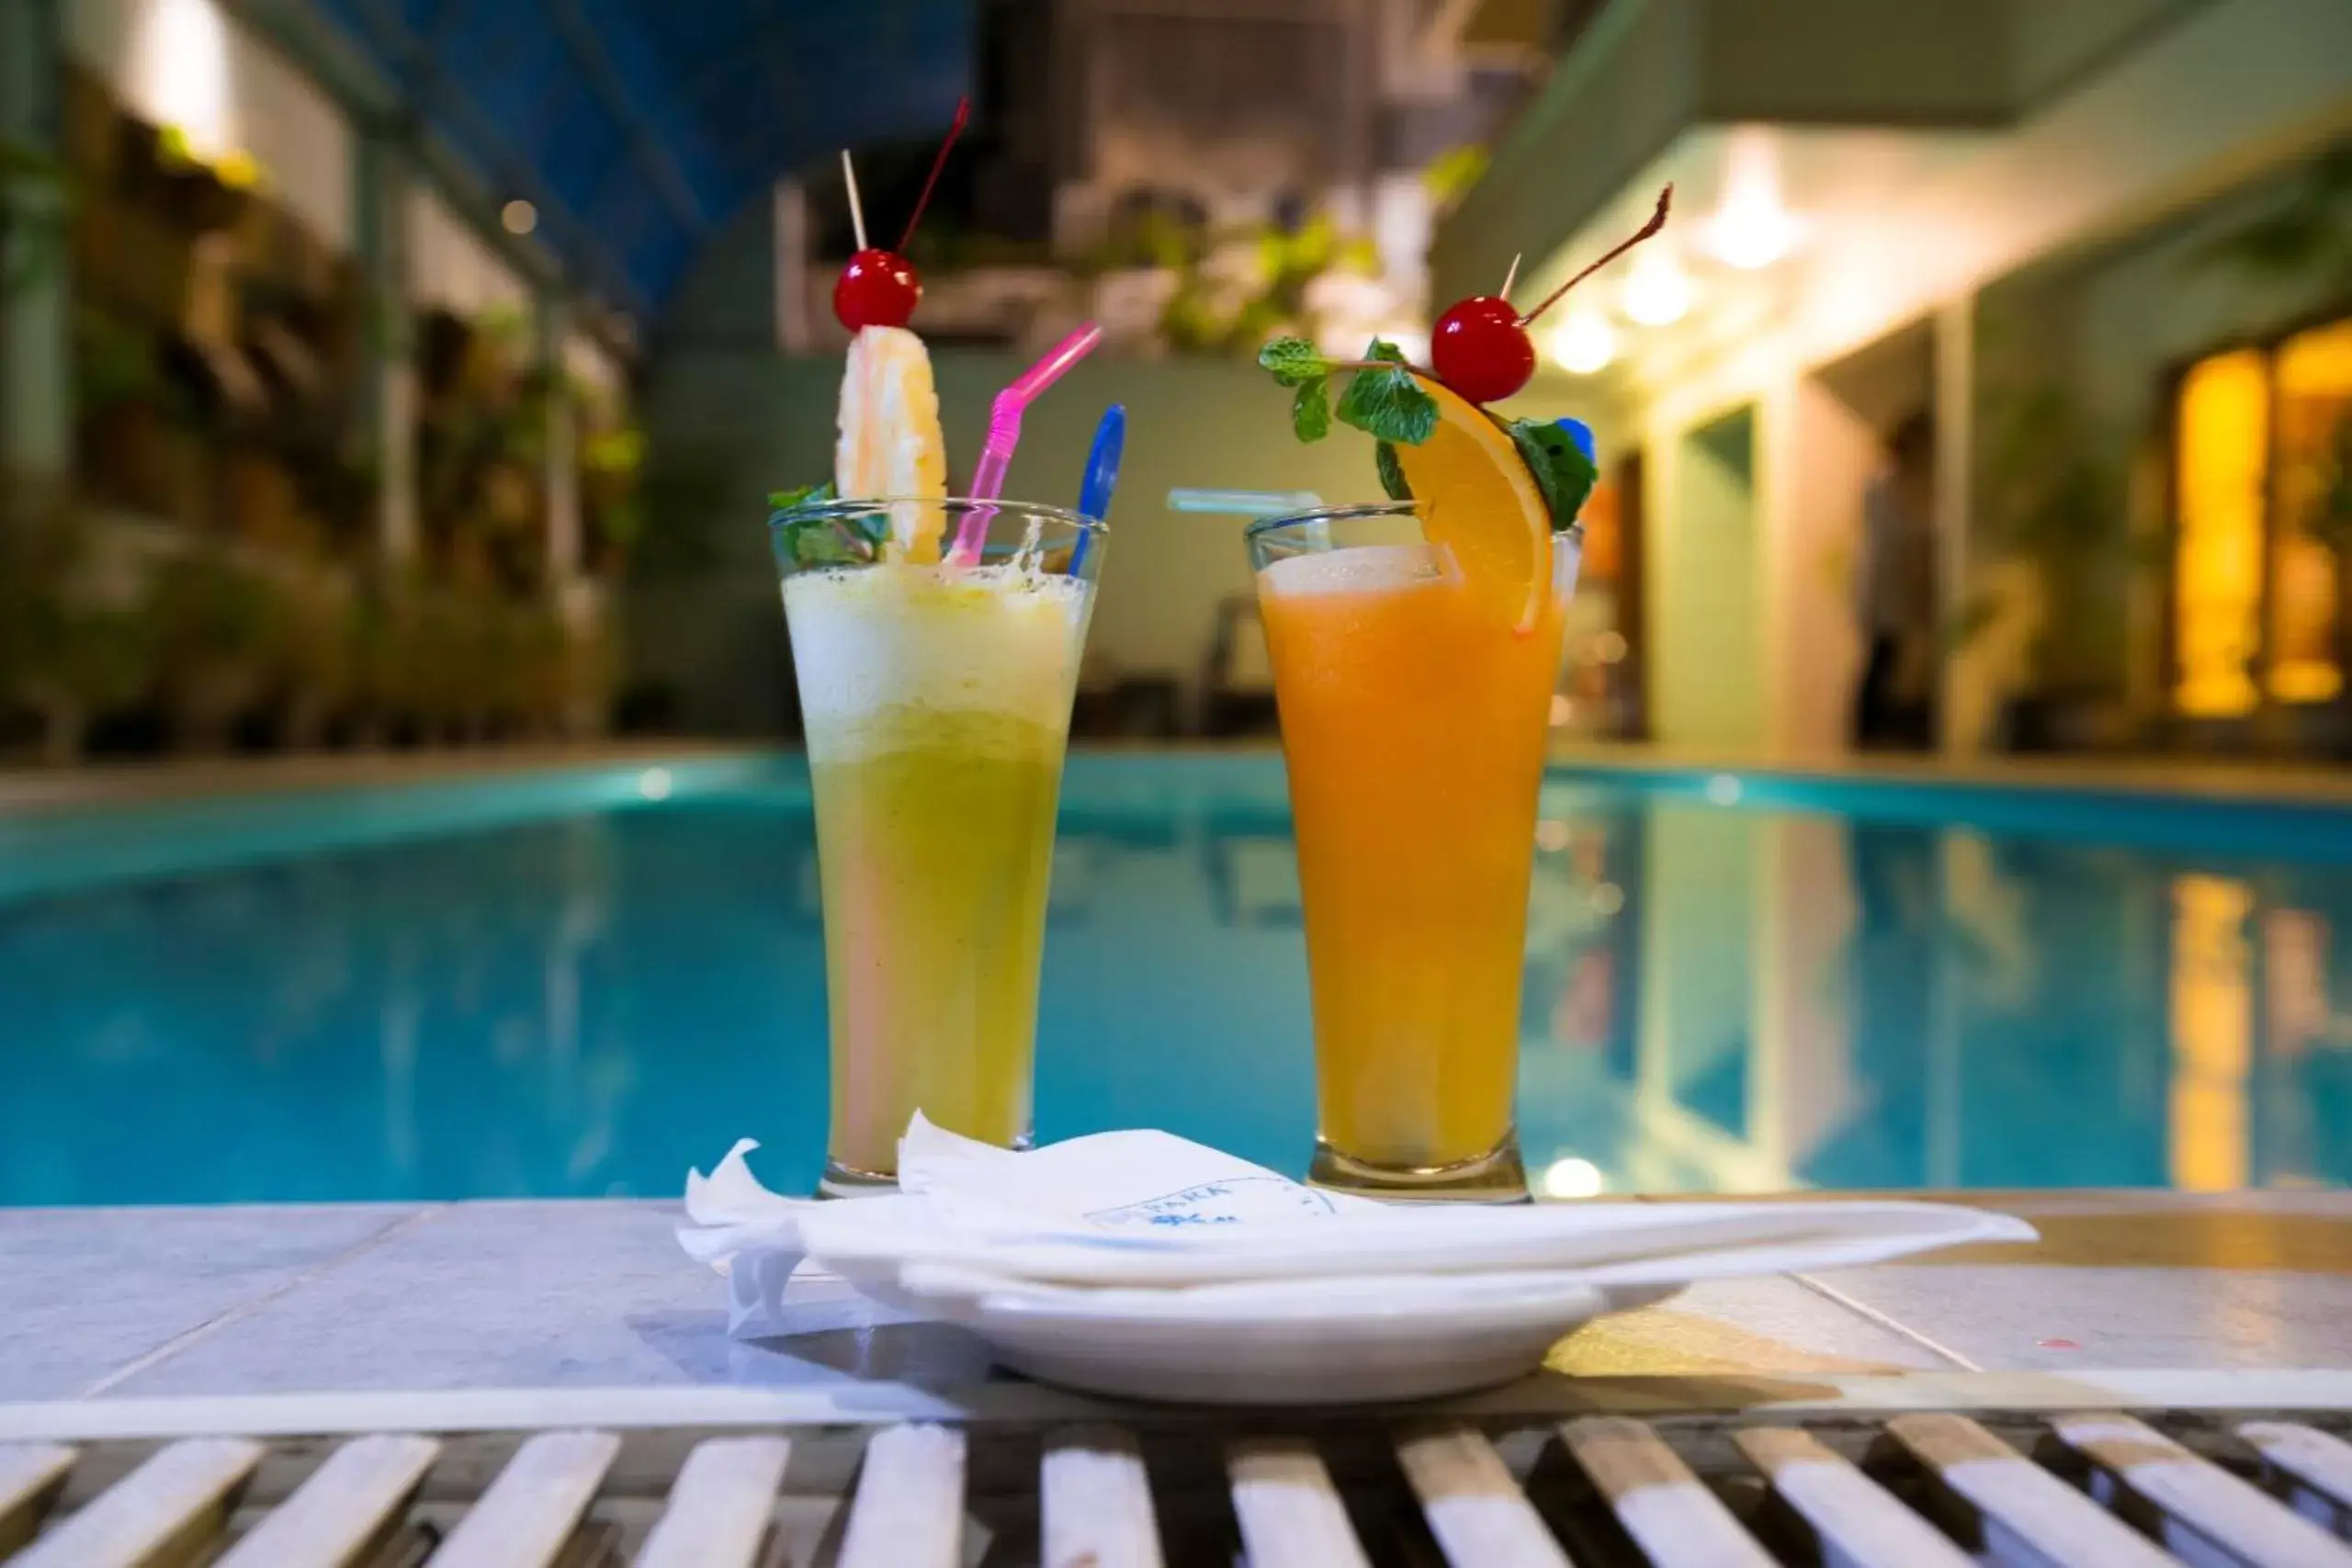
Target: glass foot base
[(842, 1180), (1497, 1177), (847, 1182)]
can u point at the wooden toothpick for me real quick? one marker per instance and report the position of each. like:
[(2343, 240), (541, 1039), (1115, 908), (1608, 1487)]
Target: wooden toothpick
[(856, 208), (1510, 277)]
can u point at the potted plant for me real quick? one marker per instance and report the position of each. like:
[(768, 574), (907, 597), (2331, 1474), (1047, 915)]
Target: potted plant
[(2053, 499)]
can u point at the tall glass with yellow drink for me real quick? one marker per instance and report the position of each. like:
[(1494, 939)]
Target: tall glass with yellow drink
[(936, 698)]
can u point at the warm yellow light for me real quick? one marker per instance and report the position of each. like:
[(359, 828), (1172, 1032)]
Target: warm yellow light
[(2223, 463), (1752, 234), (1658, 293), (2315, 396), (2213, 1033), (1751, 229), (519, 216), (2317, 364), (1583, 342), (179, 73)]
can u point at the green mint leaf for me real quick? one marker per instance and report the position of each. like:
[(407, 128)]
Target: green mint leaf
[(823, 545), (1389, 405), (1381, 348), (1294, 361), (786, 500), (1310, 411), (825, 540), (1562, 471), (1391, 472)]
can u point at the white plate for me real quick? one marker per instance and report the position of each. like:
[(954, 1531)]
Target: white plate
[(1337, 1342)]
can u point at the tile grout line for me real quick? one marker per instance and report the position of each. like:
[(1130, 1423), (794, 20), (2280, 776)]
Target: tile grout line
[(1863, 1309), (252, 1305)]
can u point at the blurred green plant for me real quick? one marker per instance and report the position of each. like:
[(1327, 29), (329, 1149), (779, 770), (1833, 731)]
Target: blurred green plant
[(1451, 174), (113, 363), (236, 169), (1249, 285), (36, 209), (66, 654), (2308, 234), (611, 476), (2053, 496), (219, 627)]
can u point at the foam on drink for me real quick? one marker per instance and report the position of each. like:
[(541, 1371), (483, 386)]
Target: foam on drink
[(1362, 568), (880, 645)]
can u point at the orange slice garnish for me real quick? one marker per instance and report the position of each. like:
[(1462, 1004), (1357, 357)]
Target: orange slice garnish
[(1479, 500)]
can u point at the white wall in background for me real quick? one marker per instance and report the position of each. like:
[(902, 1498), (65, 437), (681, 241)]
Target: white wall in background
[(453, 267), (185, 63), (1821, 453), (1709, 656)]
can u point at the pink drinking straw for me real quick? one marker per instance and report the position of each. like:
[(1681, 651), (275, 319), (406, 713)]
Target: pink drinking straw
[(1004, 434)]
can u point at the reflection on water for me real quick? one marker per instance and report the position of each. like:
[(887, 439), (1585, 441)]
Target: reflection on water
[(1718, 996)]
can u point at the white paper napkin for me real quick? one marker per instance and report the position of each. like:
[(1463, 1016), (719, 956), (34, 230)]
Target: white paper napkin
[(1107, 1217)]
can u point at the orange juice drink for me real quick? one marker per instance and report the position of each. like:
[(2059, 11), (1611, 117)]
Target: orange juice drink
[(1416, 649), (1414, 722)]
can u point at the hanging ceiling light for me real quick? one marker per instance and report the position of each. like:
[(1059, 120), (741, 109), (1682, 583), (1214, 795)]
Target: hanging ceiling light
[(1583, 342), (1751, 229), (1658, 292)]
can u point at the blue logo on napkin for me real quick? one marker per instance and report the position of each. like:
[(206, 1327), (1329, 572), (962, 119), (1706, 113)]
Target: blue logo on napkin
[(1234, 1202)]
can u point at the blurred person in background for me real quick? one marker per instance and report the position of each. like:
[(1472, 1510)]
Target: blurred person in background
[(1895, 593)]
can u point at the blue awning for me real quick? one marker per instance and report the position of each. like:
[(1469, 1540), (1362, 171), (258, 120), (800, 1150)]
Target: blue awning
[(638, 126)]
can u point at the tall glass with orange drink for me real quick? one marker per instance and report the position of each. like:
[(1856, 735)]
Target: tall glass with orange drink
[(1416, 649), (1414, 719)]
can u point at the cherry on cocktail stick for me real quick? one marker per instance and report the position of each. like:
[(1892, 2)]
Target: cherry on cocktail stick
[(881, 289), (1480, 347)]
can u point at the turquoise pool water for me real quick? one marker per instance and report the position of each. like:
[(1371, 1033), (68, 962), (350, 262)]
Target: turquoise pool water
[(582, 983)]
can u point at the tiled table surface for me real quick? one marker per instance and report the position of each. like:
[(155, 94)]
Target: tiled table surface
[(158, 1302)]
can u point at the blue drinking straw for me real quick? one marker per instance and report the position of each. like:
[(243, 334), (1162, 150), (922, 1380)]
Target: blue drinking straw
[(1102, 476), (1244, 502)]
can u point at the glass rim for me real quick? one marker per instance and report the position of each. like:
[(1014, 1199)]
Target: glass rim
[(1356, 511), (863, 506)]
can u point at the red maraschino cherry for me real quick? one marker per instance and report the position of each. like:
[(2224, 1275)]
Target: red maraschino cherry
[(1480, 348), (878, 287)]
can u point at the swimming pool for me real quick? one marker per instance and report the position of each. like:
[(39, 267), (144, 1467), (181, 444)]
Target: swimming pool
[(581, 982)]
